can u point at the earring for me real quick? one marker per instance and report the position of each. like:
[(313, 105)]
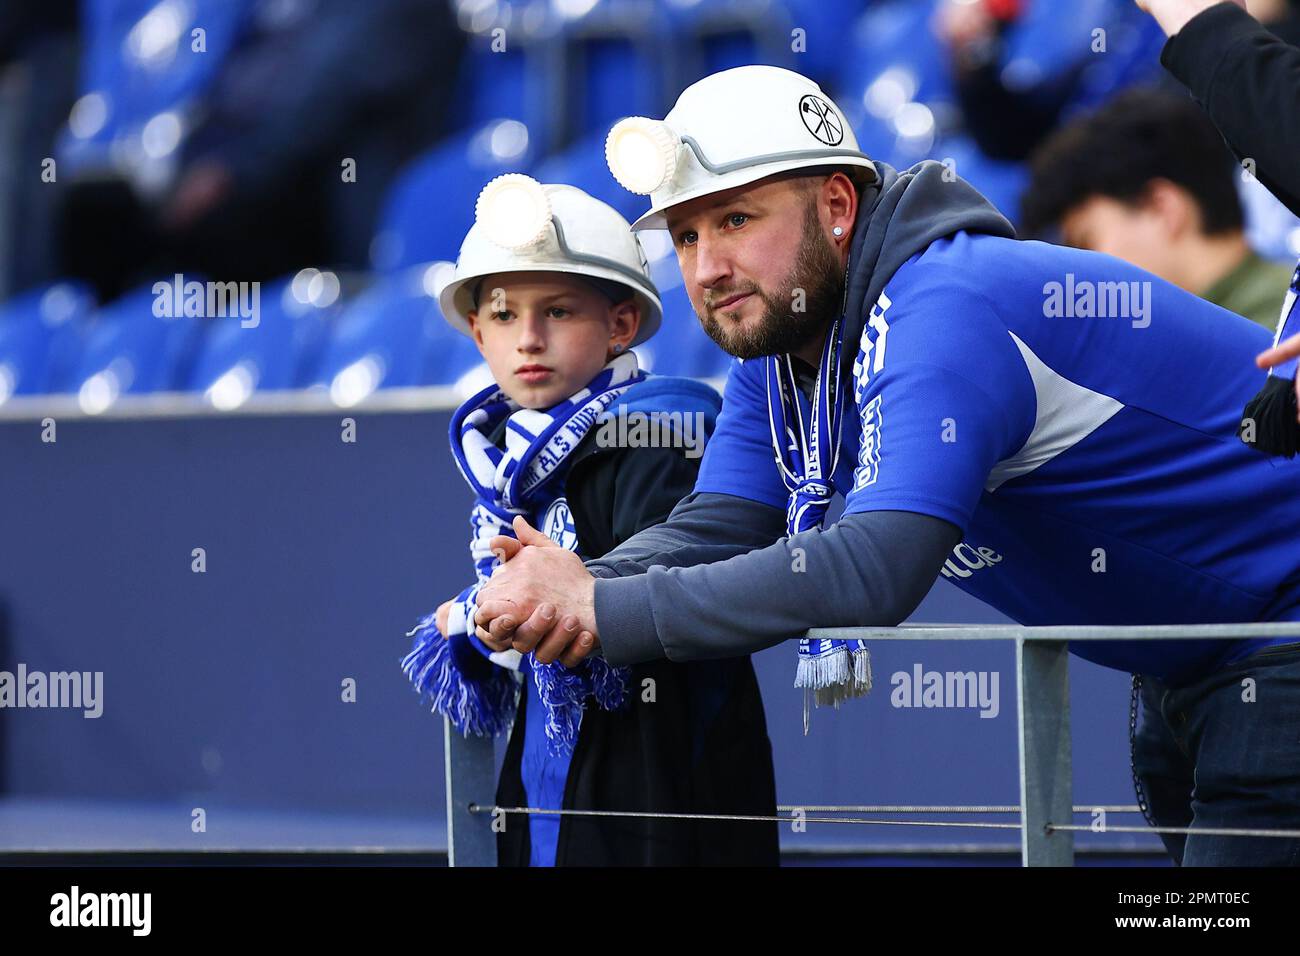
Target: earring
[(838, 230), (618, 347)]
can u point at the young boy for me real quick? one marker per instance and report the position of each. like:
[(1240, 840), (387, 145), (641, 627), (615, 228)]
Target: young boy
[(554, 289)]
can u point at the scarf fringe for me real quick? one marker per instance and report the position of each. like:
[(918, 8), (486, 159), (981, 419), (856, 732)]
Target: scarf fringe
[(833, 677), (564, 692), (484, 707)]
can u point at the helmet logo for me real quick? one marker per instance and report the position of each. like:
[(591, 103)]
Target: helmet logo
[(820, 119)]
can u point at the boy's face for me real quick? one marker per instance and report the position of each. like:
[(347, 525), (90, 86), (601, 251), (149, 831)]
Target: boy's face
[(545, 335)]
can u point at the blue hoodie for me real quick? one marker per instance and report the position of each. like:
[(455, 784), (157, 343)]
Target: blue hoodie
[(1053, 430)]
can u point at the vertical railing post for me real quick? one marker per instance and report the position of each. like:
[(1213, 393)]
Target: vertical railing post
[(1046, 792), (471, 765)]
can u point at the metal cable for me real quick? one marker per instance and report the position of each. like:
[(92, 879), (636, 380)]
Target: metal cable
[(763, 818), (738, 818)]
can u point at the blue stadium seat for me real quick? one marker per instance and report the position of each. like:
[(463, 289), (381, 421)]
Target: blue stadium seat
[(503, 74), (393, 335), (40, 336), (894, 38), (894, 74), (139, 65), (583, 165), (431, 206), (279, 351), (825, 24), (618, 76), (1000, 182), (131, 350), (1054, 39), (714, 35)]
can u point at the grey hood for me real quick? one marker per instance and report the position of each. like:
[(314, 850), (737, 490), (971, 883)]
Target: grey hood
[(903, 214)]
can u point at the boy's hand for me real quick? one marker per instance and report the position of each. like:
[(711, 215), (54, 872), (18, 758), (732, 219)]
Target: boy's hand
[(444, 611), (542, 598)]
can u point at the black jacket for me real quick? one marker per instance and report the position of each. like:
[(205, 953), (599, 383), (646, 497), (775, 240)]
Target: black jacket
[(701, 746)]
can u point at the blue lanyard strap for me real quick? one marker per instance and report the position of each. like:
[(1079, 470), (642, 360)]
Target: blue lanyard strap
[(1288, 324)]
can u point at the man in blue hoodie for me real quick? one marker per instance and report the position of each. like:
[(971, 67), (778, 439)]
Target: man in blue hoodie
[(1055, 431)]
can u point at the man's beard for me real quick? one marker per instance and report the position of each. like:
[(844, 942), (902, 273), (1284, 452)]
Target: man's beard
[(781, 329)]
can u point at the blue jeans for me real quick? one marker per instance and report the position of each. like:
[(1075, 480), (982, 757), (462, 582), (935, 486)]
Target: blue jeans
[(1206, 756)]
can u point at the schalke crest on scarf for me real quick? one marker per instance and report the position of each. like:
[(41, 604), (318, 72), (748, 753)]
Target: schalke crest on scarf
[(523, 478), (807, 449)]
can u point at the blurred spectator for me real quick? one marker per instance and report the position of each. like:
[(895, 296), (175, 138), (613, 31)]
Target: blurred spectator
[(38, 72), (261, 188), (1008, 113), (1147, 178)]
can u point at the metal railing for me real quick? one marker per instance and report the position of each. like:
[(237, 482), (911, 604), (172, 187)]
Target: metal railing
[(1043, 728)]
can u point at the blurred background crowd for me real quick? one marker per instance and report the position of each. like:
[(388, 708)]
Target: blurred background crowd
[(331, 150)]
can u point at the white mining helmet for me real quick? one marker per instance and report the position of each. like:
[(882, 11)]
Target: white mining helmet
[(521, 225), (727, 130)]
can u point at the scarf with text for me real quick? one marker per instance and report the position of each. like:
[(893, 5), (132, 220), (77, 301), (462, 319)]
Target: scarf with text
[(807, 449), (524, 478)]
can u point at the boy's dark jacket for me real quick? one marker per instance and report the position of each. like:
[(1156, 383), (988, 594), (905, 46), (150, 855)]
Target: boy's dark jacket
[(700, 746)]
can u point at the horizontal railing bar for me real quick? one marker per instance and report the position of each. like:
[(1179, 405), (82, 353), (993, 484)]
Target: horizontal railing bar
[(1058, 632), (910, 808)]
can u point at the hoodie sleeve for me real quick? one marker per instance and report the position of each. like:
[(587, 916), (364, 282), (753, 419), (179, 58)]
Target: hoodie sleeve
[(702, 529), (867, 569)]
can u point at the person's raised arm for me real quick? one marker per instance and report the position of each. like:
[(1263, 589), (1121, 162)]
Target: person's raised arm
[(1247, 79)]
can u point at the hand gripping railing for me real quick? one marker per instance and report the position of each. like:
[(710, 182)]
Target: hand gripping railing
[(1043, 697)]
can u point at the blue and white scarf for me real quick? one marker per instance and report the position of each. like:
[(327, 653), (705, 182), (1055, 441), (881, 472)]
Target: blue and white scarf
[(807, 450), (524, 478)]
